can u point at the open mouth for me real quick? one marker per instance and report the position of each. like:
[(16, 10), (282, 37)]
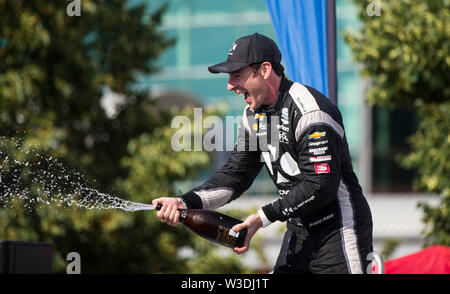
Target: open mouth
[(246, 96)]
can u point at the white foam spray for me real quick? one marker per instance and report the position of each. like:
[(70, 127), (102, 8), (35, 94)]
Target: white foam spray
[(52, 182)]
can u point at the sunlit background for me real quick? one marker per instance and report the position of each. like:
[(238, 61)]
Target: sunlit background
[(123, 148), (204, 31)]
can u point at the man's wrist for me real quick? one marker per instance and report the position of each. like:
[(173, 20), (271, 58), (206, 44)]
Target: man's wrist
[(182, 202), (265, 221), (192, 200)]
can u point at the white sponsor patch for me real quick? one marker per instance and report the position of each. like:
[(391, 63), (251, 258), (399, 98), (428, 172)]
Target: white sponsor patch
[(285, 116), (318, 143), (318, 222), (303, 98), (290, 210), (283, 128), (320, 158), (317, 151), (283, 137), (283, 192)]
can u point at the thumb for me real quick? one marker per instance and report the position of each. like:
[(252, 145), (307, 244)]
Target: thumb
[(239, 227)]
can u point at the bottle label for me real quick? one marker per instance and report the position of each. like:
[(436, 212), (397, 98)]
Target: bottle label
[(233, 233), (226, 235)]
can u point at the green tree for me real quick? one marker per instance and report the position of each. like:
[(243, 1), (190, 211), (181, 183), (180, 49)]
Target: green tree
[(405, 54), (431, 157), (404, 51), (54, 72)]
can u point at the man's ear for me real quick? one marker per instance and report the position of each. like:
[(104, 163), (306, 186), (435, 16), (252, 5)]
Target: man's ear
[(266, 70)]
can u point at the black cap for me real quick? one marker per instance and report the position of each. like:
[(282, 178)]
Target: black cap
[(247, 50)]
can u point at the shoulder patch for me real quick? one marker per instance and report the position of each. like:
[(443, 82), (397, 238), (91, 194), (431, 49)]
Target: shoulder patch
[(303, 98)]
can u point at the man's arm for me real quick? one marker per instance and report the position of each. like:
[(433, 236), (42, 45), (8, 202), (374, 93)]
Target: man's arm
[(229, 182), (235, 177)]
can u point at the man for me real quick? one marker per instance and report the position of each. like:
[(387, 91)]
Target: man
[(299, 135)]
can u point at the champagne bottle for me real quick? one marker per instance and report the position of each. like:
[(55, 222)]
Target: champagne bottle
[(213, 226)]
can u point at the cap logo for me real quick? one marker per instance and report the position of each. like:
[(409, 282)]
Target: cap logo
[(233, 47)]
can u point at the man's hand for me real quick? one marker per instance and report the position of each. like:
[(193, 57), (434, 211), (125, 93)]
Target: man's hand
[(252, 223), (169, 213)]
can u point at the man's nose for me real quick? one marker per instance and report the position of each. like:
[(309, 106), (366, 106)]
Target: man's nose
[(230, 86)]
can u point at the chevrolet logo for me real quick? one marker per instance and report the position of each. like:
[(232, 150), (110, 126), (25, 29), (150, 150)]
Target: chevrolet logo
[(316, 135)]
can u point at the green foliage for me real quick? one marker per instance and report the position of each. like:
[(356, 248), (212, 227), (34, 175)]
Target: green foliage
[(153, 164), (431, 148), (437, 221), (55, 68), (54, 71), (214, 259), (431, 158), (389, 247), (404, 52)]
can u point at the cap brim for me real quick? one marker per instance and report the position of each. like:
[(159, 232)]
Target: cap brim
[(227, 67)]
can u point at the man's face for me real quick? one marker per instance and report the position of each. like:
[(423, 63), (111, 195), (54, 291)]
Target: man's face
[(250, 85)]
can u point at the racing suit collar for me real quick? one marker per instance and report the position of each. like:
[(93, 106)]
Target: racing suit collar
[(284, 87)]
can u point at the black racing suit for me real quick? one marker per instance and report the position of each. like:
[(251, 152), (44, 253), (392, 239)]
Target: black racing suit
[(302, 142)]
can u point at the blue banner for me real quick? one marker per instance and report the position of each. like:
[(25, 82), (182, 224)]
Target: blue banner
[(304, 29)]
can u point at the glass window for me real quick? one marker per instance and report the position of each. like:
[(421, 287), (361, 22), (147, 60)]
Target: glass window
[(211, 45)]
